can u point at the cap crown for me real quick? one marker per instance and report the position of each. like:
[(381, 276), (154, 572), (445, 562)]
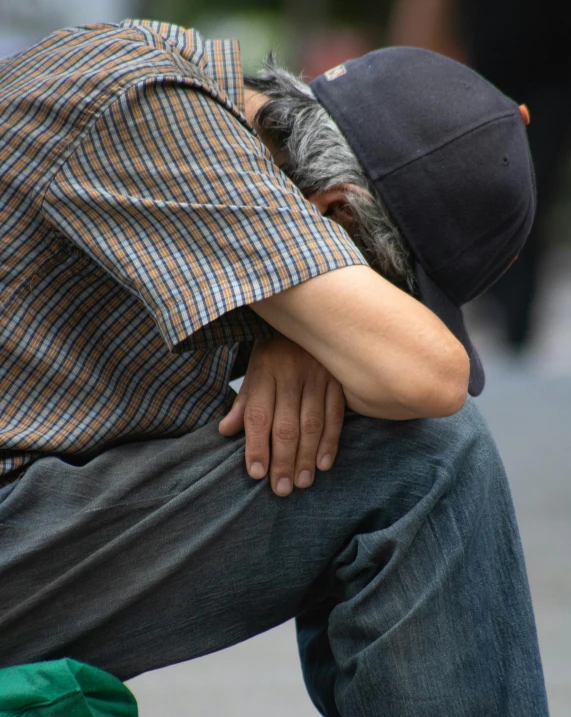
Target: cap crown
[(447, 153)]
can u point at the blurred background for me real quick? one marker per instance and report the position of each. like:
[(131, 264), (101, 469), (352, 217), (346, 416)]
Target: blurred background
[(522, 327)]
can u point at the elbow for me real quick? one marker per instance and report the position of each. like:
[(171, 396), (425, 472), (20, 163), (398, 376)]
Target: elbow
[(458, 380), (442, 391), (458, 389), (453, 404), (437, 389), (450, 400), (434, 387)]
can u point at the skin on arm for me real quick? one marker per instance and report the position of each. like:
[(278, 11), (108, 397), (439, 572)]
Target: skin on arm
[(393, 357)]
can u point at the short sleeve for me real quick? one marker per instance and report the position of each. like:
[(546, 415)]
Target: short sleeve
[(182, 204)]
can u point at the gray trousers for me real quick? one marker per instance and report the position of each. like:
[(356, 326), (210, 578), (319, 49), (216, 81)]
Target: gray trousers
[(402, 565)]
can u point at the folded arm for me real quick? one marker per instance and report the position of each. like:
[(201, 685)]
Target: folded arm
[(394, 358)]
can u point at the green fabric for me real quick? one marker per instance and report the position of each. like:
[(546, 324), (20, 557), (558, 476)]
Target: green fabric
[(63, 688)]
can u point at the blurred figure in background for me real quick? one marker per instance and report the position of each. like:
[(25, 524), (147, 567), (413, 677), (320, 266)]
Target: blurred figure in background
[(24, 23), (524, 48)]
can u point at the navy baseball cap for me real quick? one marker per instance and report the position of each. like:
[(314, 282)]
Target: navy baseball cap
[(448, 154)]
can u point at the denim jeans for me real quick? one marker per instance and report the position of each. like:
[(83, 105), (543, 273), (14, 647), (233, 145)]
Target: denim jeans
[(402, 565)]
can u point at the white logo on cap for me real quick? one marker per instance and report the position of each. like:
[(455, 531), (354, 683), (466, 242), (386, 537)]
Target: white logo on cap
[(335, 72)]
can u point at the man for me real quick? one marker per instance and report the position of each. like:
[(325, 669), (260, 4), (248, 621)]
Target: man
[(147, 234)]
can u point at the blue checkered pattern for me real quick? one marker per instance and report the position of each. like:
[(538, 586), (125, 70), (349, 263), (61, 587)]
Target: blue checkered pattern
[(140, 215)]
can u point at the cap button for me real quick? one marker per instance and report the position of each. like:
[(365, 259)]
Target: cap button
[(525, 114)]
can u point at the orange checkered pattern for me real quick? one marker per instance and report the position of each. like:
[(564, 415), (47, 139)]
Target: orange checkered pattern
[(139, 216)]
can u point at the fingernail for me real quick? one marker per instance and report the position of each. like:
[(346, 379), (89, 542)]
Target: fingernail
[(304, 479), (257, 470), (326, 462), (283, 486)]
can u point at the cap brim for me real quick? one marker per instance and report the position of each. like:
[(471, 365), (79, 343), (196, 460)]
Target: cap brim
[(436, 300)]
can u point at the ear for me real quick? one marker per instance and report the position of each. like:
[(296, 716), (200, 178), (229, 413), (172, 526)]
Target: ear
[(333, 203)]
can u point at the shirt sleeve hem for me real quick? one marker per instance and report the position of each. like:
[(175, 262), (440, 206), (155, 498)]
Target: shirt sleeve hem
[(231, 319)]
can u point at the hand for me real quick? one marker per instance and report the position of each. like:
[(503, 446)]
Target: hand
[(287, 397)]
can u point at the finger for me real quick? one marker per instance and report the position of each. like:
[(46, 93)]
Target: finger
[(312, 421), (233, 421), (258, 414), (334, 416), (285, 435)]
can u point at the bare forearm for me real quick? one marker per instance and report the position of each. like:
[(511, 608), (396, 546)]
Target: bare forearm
[(393, 357)]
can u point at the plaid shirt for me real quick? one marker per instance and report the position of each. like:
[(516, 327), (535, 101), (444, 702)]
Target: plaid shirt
[(140, 214)]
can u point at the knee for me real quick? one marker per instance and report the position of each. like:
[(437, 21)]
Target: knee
[(419, 455)]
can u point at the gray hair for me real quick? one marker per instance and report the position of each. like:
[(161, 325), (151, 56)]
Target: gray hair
[(317, 157)]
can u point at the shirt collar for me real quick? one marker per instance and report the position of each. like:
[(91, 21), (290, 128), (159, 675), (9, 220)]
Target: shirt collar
[(220, 59), (225, 68)]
